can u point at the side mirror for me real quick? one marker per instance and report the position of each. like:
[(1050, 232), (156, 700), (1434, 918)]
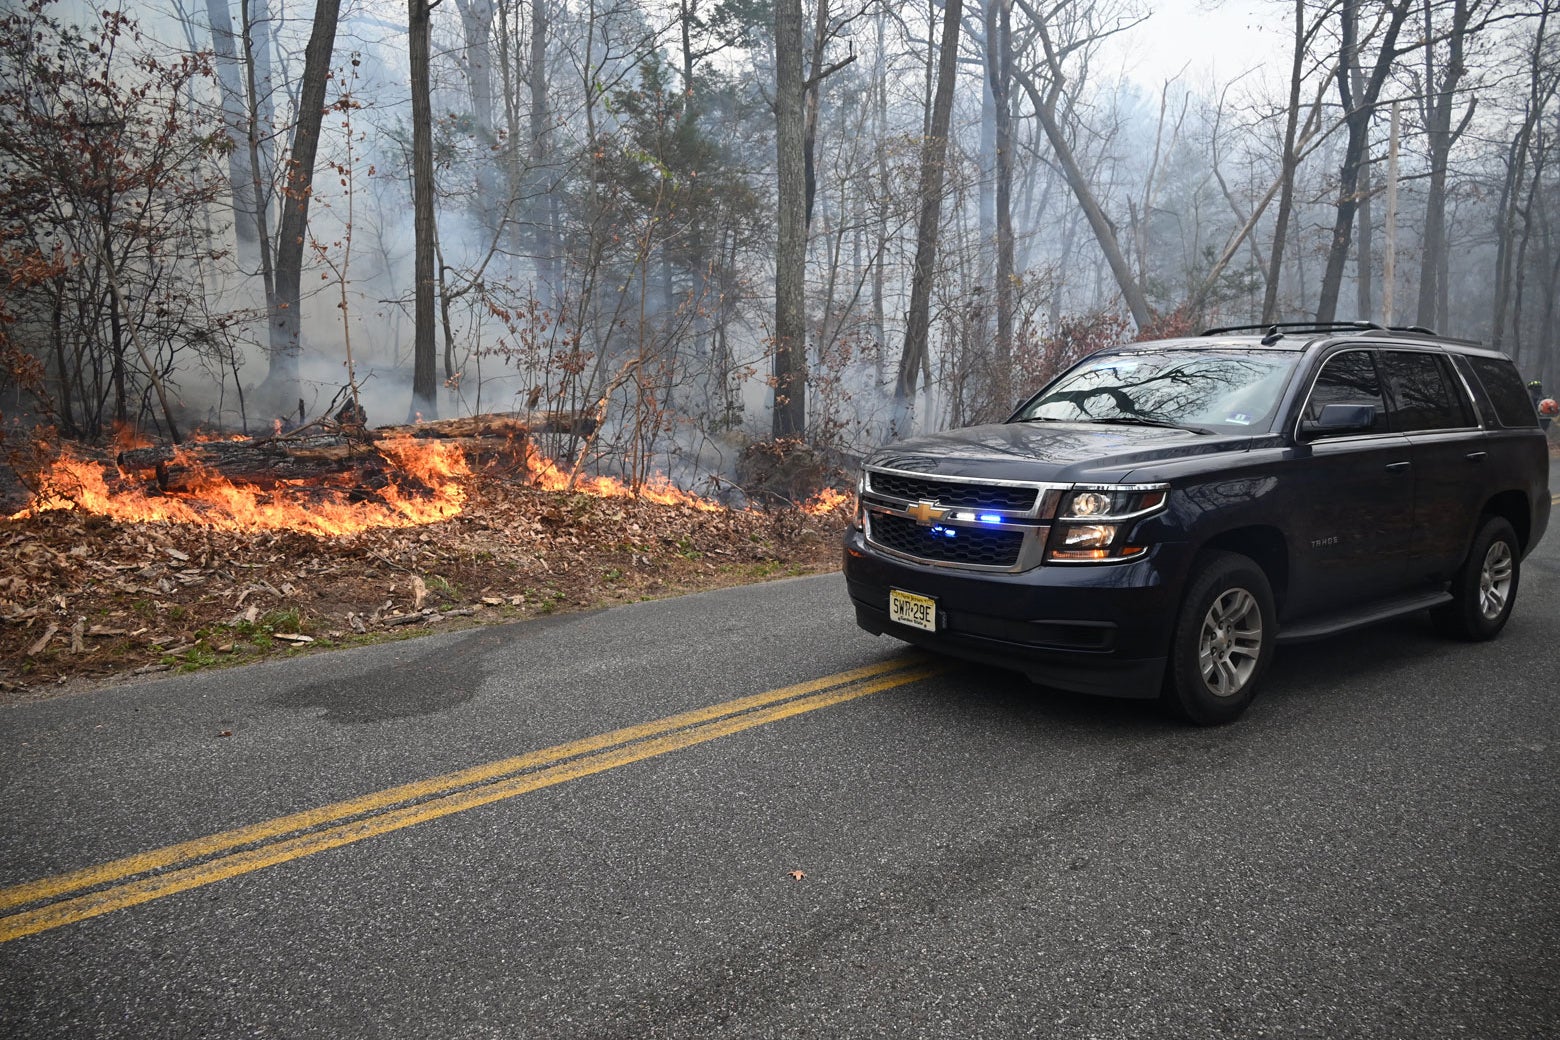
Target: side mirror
[(1339, 419)]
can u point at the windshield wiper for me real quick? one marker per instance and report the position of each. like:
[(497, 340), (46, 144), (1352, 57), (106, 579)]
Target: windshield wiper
[(1139, 420)]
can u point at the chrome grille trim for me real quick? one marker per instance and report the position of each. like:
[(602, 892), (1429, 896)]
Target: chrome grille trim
[(1015, 544)]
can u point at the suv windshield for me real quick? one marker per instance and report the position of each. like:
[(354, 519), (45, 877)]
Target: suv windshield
[(1223, 390)]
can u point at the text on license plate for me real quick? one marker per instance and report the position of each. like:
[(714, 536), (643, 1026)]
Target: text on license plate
[(909, 609)]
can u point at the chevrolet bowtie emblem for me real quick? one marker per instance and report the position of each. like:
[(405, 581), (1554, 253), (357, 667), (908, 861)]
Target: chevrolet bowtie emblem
[(925, 512)]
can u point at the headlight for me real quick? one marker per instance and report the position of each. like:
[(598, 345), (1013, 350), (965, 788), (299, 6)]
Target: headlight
[(1095, 524), (1113, 502), (1091, 503)]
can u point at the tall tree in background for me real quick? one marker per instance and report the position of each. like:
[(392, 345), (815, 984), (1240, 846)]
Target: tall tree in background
[(282, 380), (1359, 108), (1289, 161), (934, 153), (999, 74), (790, 346), (425, 403), (1046, 100), (1440, 98), (1516, 198), (235, 118)]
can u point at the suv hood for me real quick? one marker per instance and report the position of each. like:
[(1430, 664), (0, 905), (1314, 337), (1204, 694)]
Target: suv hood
[(1050, 451)]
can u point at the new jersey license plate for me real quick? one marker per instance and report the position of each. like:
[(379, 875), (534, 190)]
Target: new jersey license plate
[(907, 608)]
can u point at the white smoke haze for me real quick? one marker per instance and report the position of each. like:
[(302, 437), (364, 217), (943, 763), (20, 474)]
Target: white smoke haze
[(606, 226)]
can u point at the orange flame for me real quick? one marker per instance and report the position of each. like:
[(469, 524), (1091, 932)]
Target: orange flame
[(432, 488), (546, 475), (215, 501), (825, 502)]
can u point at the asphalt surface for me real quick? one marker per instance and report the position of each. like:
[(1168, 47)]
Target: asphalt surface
[(1371, 852)]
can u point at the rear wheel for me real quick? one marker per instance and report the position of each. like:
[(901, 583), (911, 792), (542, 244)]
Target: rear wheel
[(1223, 641), (1485, 587)]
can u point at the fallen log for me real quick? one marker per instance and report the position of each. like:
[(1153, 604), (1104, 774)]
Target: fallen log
[(517, 425), (354, 463), (265, 470)]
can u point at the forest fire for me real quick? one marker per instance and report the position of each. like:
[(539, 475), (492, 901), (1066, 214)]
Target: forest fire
[(424, 486), (399, 481), (546, 475)]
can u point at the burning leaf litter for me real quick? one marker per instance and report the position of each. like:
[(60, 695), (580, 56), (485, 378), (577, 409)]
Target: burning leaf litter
[(101, 577)]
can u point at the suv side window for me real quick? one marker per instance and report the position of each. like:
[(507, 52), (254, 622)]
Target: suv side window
[(1424, 393), (1472, 383), (1513, 406), (1348, 377)]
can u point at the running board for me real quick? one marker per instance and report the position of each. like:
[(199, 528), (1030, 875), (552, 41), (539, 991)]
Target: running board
[(1359, 617)]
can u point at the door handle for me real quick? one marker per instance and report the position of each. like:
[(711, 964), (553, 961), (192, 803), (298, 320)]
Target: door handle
[(1398, 467), (1477, 456)]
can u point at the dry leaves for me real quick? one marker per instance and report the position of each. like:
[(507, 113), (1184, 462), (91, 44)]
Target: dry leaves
[(81, 596)]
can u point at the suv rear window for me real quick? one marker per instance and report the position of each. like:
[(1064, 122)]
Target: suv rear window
[(1426, 396), (1513, 406)]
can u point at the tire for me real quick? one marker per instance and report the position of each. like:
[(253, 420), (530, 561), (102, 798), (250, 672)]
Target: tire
[(1223, 641), (1485, 587)]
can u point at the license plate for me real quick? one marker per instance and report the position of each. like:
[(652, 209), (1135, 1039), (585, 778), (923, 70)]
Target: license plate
[(909, 609)]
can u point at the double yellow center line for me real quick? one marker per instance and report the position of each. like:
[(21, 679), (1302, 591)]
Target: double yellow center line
[(53, 902)]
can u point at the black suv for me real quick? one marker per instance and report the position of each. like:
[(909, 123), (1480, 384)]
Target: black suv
[(1160, 515)]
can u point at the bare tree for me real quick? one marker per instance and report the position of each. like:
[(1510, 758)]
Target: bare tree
[(1359, 108), (285, 303), (1055, 52), (934, 152), (425, 401), (1440, 92), (790, 331)]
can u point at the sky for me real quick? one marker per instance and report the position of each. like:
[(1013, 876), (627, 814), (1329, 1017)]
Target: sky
[(1205, 40)]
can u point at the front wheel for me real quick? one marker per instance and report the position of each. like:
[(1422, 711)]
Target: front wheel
[(1485, 587), (1222, 642)]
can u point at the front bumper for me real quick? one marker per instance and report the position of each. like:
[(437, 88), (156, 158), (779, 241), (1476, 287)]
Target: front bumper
[(1099, 629)]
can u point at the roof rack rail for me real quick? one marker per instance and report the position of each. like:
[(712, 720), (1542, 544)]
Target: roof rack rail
[(1274, 327), (1273, 331)]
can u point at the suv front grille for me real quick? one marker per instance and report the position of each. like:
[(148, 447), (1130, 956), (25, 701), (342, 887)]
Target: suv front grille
[(967, 546), (952, 494)]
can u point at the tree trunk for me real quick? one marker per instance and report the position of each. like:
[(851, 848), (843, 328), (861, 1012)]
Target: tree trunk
[(1099, 223), (1359, 108), (1286, 197), (539, 200), (1438, 128), (282, 379), (476, 22), (999, 72), (934, 152), (425, 403), (1104, 231), (1542, 82), (790, 357), (230, 84)]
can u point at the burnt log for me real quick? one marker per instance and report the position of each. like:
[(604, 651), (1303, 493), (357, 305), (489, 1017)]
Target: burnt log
[(517, 426), (212, 453), (490, 442), (265, 469)]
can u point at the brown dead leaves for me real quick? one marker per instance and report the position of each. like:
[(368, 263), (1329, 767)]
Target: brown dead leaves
[(85, 597)]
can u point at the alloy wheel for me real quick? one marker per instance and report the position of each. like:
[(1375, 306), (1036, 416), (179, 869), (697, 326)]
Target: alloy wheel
[(1230, 644), (1495, 580)]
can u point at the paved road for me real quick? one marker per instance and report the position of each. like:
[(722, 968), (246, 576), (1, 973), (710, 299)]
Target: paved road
[(577, 828)]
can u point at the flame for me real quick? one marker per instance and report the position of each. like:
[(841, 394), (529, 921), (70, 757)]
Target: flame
[(546, 475), (214, 501), (128, 438), (428, 483), (825, 502)]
